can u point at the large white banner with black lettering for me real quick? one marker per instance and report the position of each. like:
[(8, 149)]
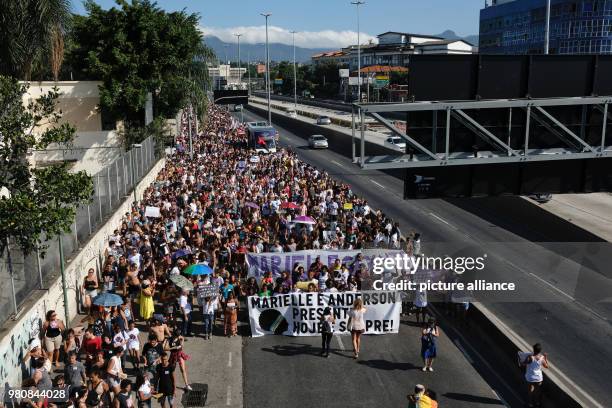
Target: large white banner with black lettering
[(277, 262), (297, 314)]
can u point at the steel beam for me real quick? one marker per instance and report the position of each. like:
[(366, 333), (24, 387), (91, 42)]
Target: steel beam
[(484, 131), (552, 130), (562, 126), (483, 104), (404, 136), (467, 158)]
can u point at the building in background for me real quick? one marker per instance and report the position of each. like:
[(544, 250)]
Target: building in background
[(227, 77), (518, 27), (261, 68), (393, 49)]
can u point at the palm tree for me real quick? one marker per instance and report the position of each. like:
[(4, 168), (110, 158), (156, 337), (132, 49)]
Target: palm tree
[(32, 31)]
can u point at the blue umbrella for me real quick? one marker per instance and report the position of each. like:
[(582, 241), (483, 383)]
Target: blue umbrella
[(180, 253), (107, 300), (198, 269)]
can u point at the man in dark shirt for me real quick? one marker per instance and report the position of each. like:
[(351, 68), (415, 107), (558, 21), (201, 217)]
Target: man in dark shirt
[(152, 352), (165, 381)]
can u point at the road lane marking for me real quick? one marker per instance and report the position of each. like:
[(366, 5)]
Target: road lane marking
[(228, 400), (340, 344), (229, 361), (378, 184), (442, 220), (337, 164), (465, 354)]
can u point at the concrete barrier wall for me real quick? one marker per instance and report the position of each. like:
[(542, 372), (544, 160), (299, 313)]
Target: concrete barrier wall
[(16, 334)]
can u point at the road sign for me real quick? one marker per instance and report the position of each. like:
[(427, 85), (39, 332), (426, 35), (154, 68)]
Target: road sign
[(344, 73), (278, 81)]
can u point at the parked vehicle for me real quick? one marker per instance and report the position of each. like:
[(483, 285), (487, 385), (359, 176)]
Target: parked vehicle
[(238, 108), (318, 142), (396, 143), (323, 120)]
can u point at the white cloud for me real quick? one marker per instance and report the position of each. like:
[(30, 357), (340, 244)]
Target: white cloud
[(306, 39)]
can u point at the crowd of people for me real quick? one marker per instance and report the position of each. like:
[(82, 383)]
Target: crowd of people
[(214, 204)]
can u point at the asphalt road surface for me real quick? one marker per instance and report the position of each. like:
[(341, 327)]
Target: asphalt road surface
[(564, 299), (284, 371)]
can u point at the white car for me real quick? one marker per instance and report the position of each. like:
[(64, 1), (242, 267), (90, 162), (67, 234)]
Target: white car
[(395, 143), (291, 113), (317, 142), (323, 120)]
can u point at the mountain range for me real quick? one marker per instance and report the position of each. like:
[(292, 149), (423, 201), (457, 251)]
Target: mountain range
[(284, 52)]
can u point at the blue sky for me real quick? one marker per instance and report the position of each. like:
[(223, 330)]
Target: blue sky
[(325, 23)]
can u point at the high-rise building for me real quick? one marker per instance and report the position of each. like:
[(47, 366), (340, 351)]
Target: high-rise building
[(518, 27)]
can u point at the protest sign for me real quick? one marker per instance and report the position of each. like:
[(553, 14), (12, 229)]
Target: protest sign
[(152, 212), (208, 290), (297, 314), (276, 262)]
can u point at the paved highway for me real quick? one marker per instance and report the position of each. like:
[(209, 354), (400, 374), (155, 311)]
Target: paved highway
[(564, 297)]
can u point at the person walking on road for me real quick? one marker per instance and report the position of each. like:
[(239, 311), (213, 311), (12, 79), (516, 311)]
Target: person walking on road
[(429, 335), (356, 325), (327, 330), (534, 375)]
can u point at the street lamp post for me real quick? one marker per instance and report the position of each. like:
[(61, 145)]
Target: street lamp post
[(249, 69), (357, 4), (239, 64), (294, 73), (266, 15)]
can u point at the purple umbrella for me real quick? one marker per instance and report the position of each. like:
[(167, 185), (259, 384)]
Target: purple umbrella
[(304, 219), (251, 205), (180, 253)]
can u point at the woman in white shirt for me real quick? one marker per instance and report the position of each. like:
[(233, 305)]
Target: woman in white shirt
[(133, 344), (114, 372), (534, 376), (356, 324)]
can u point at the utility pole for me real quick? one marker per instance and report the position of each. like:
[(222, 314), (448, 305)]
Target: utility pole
[(358, 3), (294, 74), (547, 28), (266, 15)]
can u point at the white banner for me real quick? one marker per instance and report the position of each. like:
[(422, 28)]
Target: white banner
[(277, 262), (297, 314), (344, 73)]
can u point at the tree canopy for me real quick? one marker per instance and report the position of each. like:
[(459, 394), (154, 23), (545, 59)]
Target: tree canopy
[(35, 202), (137, 48)]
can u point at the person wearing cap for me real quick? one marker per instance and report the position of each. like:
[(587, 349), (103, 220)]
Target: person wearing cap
[(144, 389)]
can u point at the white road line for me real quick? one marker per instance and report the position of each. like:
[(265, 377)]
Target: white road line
[(229, 360), (544, 281), (378, 184), (340, 344), (442, 220), (337, 164), (228, 400), (465, 354)]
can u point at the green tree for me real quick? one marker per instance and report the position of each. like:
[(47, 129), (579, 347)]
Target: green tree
[(32, 35), (136, 49), (35, 202)]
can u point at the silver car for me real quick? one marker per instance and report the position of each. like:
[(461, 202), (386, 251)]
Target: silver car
[(317, 142), (323, 120)]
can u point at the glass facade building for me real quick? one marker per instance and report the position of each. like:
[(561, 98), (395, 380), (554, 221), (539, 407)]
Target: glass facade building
[(518, 26)]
